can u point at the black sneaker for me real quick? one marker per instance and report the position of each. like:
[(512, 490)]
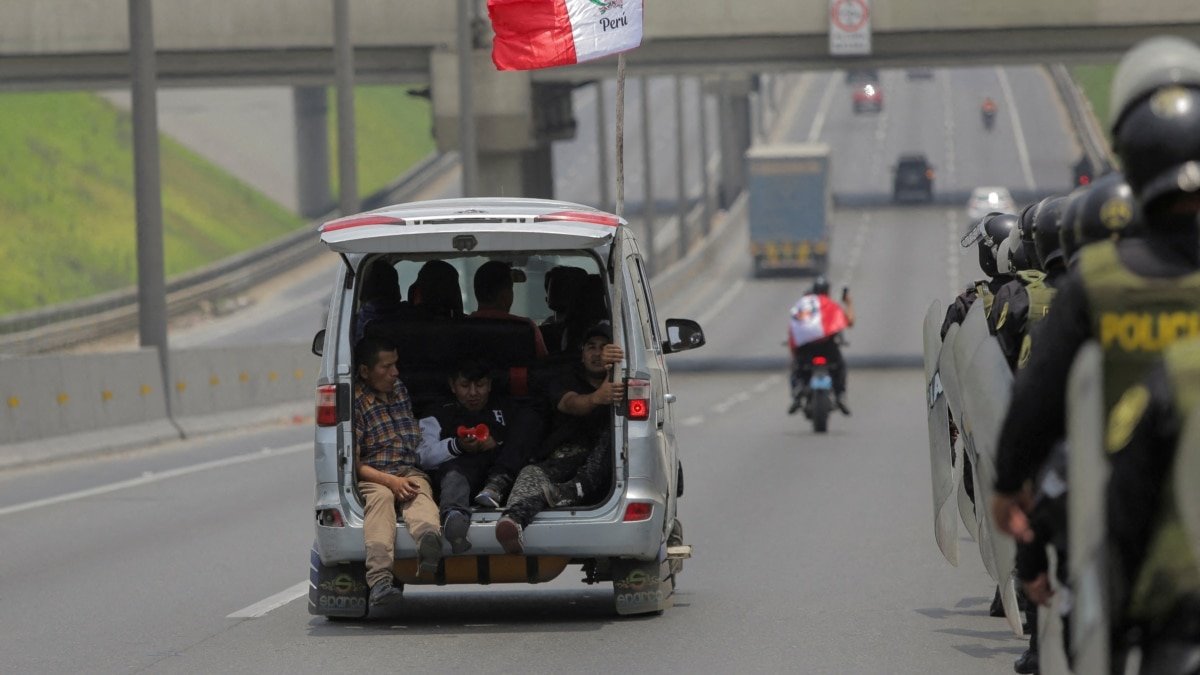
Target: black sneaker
[(1027, 663), (384, 593), (840, 401), (510, 536), (561, 494), (457, 524), (796, 403), (492, 494), (997, 607), (429, 551)]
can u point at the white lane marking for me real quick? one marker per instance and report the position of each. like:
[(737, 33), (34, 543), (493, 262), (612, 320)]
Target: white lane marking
[(692, 421), (948, 117), (814, 132), (725, 299), (766, 383), (952, 251), (153, 477), (276, 601), (1022, 151)]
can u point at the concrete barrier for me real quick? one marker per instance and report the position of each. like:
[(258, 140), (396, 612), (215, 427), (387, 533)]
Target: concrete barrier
[(222, 379), (47, 396)]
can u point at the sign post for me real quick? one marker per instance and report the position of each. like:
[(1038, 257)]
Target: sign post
[(849, 27)]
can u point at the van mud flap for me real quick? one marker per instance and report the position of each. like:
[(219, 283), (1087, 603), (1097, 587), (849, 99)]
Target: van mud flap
[(641, 587), (336, 590)]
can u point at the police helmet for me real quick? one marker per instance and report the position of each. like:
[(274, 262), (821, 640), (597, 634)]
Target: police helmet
[(1067, 240), (1156, 117), (1025, 230), (820, 286), (991, 230), (1106, 210), (1018, 261), (1046, 226)]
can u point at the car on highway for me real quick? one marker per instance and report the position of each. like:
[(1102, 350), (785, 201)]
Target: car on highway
[(630, 535), (985, 200), (913, 178), (919, 73), (868, 96)]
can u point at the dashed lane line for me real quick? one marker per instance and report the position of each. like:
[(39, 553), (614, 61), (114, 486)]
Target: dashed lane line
[(262, 607), (1022, 150), (155, 477)]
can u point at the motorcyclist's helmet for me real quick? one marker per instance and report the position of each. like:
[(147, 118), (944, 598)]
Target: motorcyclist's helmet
[(1155, 126), (1105, 211), (820, 286), (1046, 226), (991, 230)]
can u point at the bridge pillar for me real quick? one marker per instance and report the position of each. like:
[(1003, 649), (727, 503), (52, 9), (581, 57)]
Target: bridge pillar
[(515, 121), (311, 112), (733, 121)]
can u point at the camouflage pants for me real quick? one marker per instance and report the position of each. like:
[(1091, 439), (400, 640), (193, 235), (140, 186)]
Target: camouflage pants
[(526, 499)]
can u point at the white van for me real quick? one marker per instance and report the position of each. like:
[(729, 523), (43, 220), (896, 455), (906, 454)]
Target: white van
[(630, 537)]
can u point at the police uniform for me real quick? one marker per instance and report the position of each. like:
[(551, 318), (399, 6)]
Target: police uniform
[(1020, 305), (1156, 579), (1135, 296)]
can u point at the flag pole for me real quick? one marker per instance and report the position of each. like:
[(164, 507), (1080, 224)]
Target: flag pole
[(620, 134)]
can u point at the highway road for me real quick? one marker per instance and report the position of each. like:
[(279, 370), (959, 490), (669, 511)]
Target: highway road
[(813, 553)]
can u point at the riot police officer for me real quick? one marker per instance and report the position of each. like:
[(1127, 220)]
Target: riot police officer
[(1023, 302), (988, 234), (1154, 570), (1134, 296)]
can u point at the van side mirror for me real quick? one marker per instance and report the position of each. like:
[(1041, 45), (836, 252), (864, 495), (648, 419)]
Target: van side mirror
[(318, 345), (682, 335)]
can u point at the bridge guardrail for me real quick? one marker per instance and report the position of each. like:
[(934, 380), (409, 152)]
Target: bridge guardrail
[(71, 323), (1087, 128)]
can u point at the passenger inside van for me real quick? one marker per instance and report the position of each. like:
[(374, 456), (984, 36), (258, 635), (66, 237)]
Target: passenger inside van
[(564, 289), (583, 396), (380, 296), (437, 291), (494, 295), (484, 435)]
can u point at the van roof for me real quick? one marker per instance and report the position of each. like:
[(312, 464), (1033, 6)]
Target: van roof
[(484, 224)]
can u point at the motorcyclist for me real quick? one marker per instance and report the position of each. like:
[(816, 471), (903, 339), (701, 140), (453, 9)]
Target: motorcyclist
[(827, 346), (1127, 294), (988, 109)]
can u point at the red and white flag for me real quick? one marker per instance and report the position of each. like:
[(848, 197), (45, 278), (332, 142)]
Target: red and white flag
[(534, 34), (815, 317)]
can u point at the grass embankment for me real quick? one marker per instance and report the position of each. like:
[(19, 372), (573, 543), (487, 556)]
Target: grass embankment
[(393, 131), (1096, 81), (67, 193)]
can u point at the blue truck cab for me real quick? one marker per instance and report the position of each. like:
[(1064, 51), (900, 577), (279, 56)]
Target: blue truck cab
[(788, 208)]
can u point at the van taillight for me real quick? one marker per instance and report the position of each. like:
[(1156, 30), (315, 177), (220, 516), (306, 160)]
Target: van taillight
[(330, 518), (327, 413), (637, 392), (635, 511)]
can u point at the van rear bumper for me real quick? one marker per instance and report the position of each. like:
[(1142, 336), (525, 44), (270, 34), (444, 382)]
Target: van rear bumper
[(598, 533)]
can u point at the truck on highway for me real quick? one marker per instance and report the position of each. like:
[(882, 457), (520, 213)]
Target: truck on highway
[(789, 206)]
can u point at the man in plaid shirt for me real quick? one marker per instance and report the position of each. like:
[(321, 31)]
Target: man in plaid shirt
[(387, 440)]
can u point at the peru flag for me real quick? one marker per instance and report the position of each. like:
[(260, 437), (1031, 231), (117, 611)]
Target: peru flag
[(534, 34), (815, 317)]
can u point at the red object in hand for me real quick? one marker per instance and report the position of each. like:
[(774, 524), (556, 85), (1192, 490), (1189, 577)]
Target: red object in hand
[(479, 432)]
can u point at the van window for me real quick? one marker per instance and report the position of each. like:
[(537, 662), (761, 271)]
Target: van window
[(641, 298)]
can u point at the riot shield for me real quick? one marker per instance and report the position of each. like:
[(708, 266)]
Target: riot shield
[(986, 383), (1087, 470), (966, 508), (1187, 477), (941, 452)]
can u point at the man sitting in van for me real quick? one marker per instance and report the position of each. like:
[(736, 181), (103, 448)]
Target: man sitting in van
[(481, 434), (387, 444), (583, 398), (494, 293)]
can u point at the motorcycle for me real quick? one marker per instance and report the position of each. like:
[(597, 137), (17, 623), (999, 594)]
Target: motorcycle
[(988, 110), (816, 396)]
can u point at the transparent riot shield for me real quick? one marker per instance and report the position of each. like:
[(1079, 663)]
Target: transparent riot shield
[(942, 463), (1088, 474), (986, 386)]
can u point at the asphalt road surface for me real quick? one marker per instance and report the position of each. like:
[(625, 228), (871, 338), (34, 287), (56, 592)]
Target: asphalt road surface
[(813, 554)]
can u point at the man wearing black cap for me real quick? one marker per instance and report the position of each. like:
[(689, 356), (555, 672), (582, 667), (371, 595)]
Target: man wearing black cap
[(583, 398)]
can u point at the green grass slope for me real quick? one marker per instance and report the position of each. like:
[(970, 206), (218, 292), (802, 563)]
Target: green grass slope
[(1096, 81), (67, 207)]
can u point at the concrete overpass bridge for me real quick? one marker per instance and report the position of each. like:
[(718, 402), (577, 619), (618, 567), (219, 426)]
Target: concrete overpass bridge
[(83, 44)]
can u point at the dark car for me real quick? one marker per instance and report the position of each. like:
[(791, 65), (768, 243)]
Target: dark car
[(914, 179)]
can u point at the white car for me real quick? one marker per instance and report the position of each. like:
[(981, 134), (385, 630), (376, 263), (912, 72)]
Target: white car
[(985, 200)]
